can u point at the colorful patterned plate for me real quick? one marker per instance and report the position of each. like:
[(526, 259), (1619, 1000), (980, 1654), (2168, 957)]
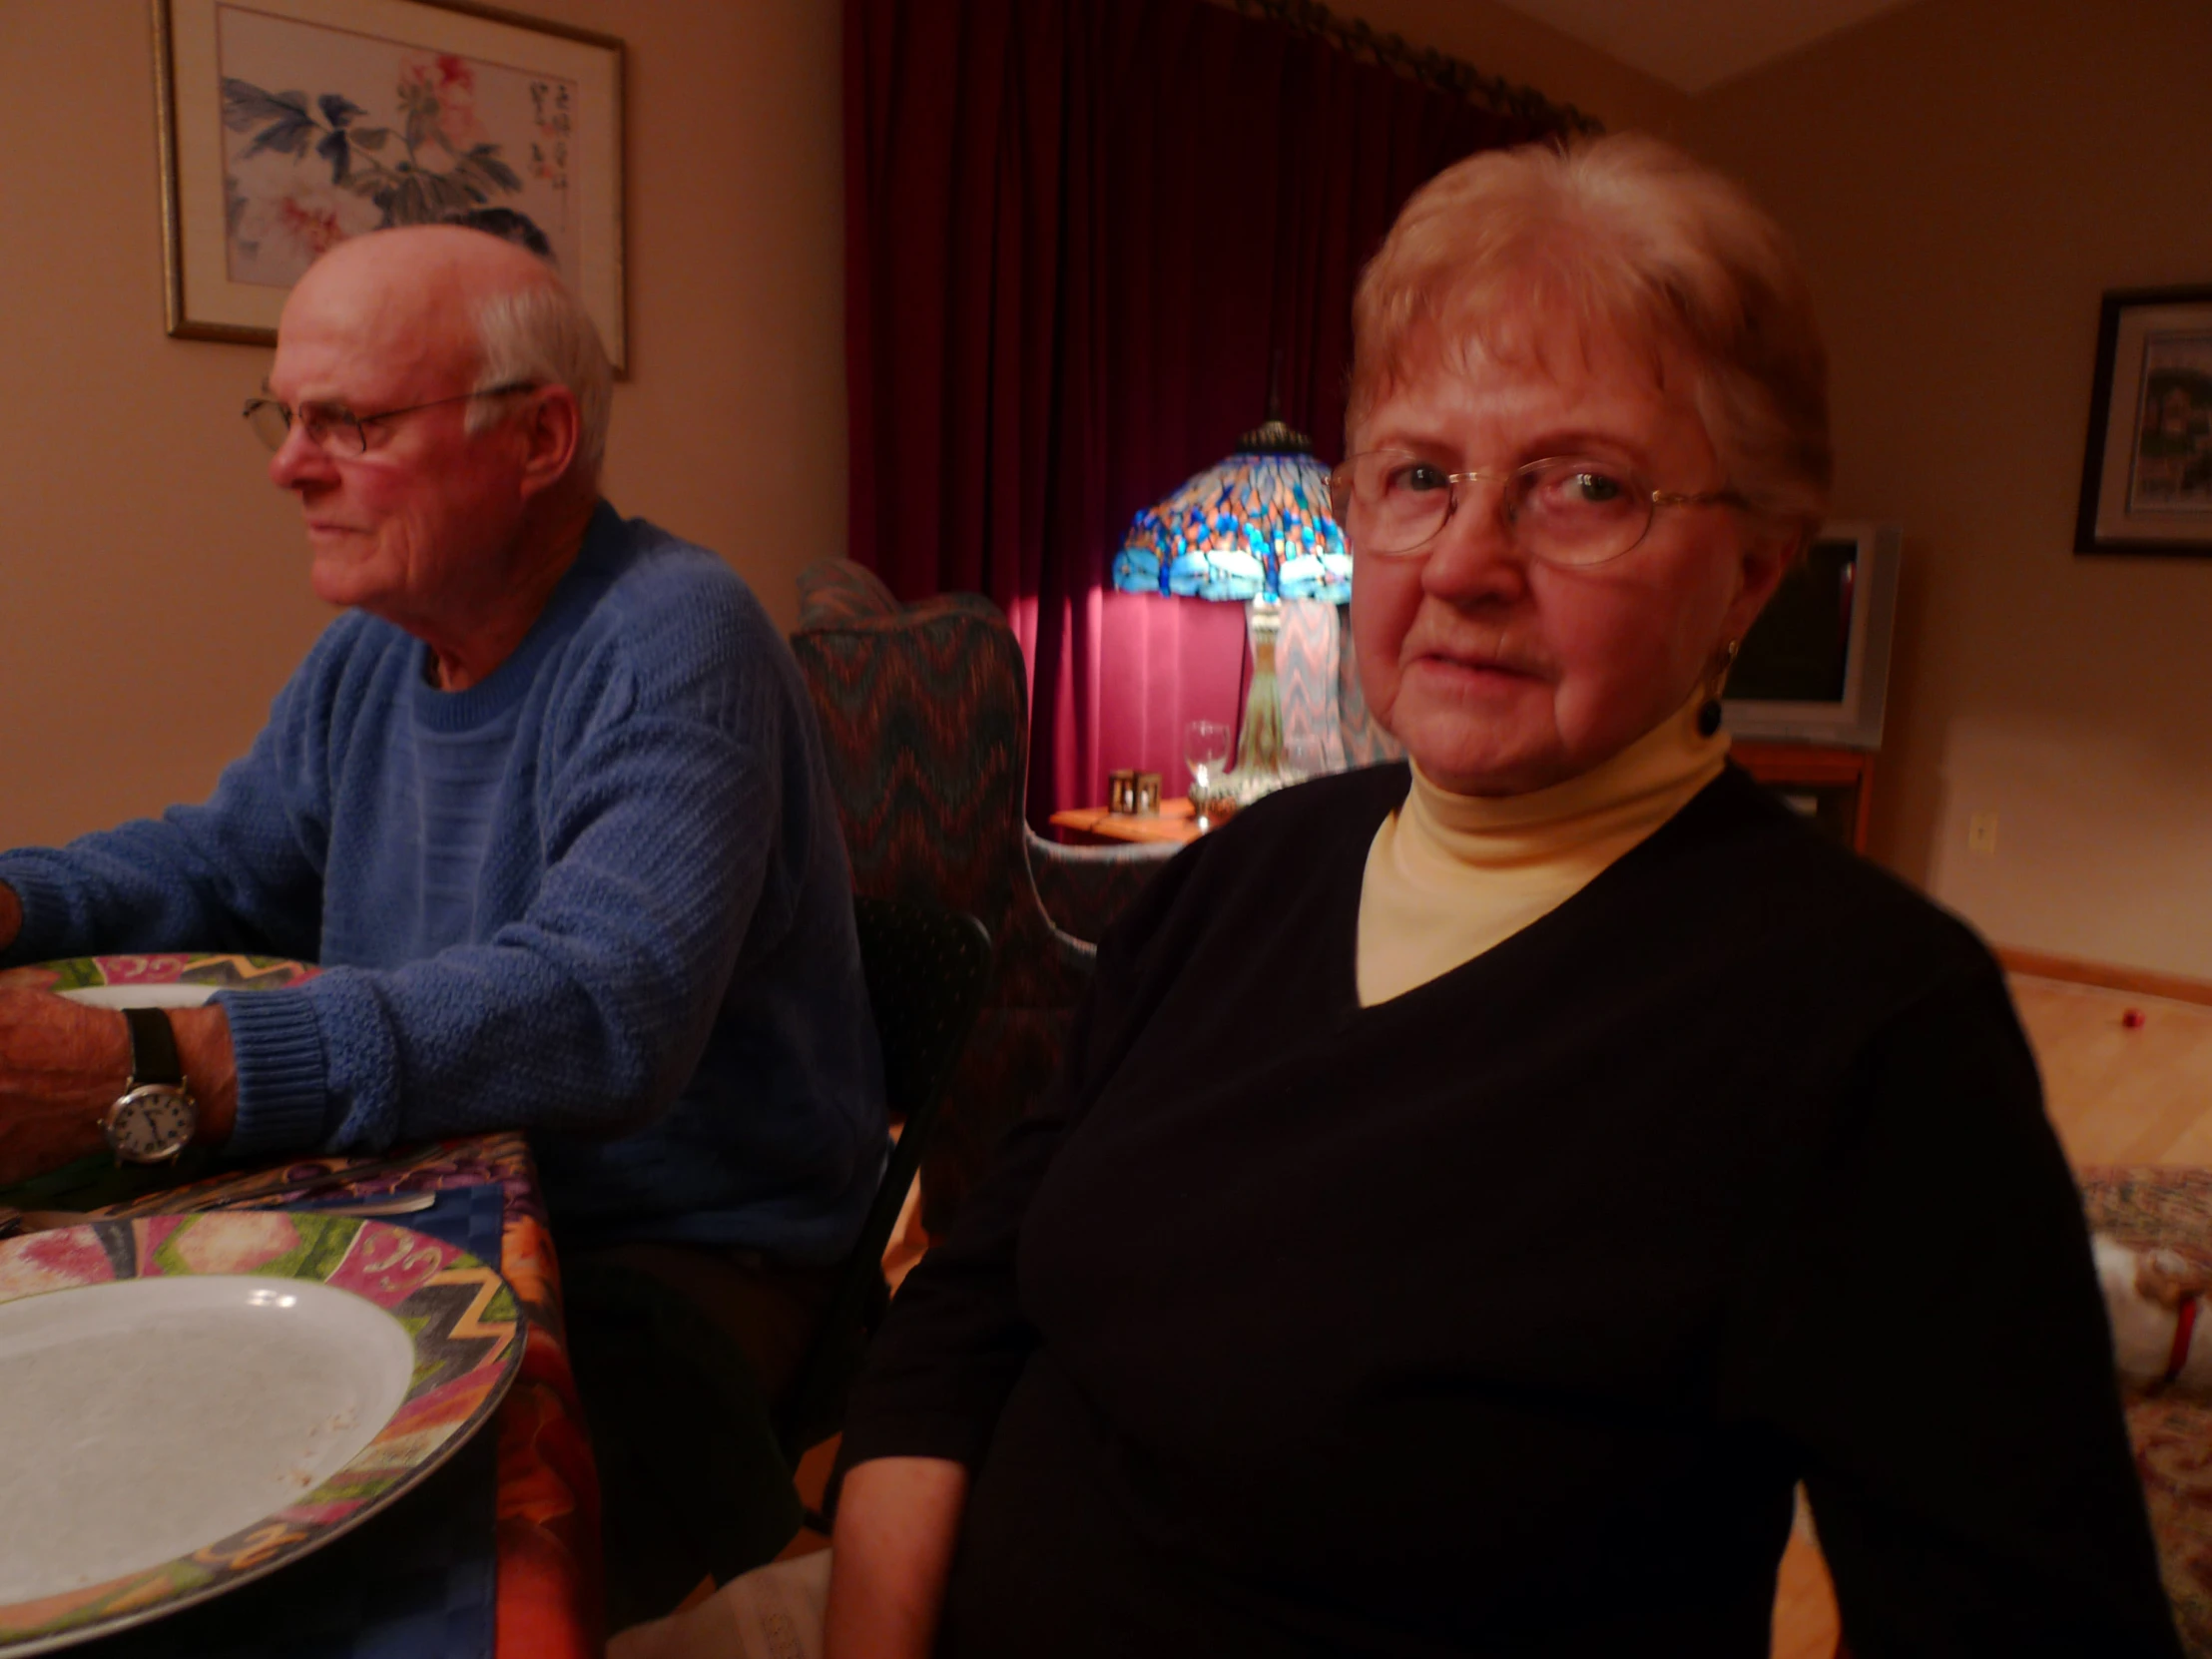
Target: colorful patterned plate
[(240, 1390), (173, 980)]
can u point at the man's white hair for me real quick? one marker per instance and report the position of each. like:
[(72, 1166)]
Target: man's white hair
[(541, 334)]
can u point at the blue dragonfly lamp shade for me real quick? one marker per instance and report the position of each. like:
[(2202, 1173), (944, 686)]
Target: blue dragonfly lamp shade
[(1255, 529)]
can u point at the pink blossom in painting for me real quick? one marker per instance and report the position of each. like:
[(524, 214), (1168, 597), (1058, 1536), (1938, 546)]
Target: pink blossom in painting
[(445, 89), (305, 220)]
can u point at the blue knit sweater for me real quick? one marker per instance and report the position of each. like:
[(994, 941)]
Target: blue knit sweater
[(601, 897)]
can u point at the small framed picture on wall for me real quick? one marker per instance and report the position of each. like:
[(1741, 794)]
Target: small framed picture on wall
[(289, 125), (2146, 482)]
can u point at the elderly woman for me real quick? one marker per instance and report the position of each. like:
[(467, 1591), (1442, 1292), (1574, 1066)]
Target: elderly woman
[(1480, 1190)]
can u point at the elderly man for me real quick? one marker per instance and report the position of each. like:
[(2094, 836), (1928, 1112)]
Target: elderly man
[(547, 803)]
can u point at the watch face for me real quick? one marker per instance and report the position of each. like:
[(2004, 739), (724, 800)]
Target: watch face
[(152, 1123)]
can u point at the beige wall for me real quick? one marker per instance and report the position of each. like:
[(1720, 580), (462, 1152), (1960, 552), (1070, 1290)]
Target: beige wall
[(1964, 177), (153, 584)]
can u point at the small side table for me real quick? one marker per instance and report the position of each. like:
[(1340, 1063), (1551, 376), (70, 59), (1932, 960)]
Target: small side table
[(1832, 787), (1091, 825)]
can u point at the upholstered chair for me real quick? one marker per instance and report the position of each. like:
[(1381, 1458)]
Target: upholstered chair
[(925, 717)]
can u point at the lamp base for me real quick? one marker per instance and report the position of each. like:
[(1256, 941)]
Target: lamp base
[(1259, 770)]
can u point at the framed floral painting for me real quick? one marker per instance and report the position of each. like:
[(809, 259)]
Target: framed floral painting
[(289, 125), (2146, 482)]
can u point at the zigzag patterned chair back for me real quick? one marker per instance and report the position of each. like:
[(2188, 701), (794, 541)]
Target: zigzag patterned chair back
[(924, 722)]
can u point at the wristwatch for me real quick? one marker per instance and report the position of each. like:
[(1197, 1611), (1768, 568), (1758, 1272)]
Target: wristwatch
[(154, 1121)]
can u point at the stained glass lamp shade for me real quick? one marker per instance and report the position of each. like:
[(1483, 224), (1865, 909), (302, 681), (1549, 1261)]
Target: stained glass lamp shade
[(1256, 528)]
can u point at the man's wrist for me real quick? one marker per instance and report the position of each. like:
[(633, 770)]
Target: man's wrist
[(202, 1037), (210, 1069)]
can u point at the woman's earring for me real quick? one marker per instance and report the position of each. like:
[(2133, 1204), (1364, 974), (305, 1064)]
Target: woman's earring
[(1709, 711)]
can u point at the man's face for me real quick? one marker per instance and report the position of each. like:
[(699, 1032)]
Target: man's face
[(418, 523)]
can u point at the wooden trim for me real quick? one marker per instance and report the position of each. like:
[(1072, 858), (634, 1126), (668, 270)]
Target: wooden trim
[(2111, 976), (529, 21)]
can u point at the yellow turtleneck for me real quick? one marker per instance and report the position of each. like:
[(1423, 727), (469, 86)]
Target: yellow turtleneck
[(1450, 875)]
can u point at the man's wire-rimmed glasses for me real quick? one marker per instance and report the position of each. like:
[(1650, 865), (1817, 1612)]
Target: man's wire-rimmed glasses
[(337, 429), (1569, 510)]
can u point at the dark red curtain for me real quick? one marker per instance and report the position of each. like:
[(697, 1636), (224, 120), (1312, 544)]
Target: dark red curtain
[(1079, 231)]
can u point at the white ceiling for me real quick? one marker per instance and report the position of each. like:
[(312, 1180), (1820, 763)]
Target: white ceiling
[(1696, 44)]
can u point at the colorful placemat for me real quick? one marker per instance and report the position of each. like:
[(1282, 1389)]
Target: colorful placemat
[(218, 970)]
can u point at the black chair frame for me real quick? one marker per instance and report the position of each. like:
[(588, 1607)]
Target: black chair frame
[(927, 972)]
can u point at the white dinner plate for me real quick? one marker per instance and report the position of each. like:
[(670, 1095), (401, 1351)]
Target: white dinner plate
[(143, 1419), (190, 1401), (140, 997)]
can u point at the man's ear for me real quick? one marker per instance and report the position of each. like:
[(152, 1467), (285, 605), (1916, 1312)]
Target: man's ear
[(551, 428), (1766, 559)]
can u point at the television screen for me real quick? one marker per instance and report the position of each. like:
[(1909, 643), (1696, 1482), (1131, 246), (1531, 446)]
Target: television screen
[(1799, 651)]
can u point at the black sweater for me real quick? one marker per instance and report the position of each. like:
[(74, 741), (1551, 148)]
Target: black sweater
[(1504, 1315)]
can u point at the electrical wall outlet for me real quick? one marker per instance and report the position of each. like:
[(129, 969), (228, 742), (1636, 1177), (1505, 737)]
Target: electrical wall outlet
[(1982, 834)]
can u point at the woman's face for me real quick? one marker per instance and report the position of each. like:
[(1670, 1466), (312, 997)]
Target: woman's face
[(1501, 673)]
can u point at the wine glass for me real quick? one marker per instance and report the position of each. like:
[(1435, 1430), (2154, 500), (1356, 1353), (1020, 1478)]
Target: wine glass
[(1204, 751), (1303, 757)]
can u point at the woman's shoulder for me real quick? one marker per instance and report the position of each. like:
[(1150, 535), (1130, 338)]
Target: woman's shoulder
[(1778, 884), (1278, 866), (1315, 827), (1341, 802)]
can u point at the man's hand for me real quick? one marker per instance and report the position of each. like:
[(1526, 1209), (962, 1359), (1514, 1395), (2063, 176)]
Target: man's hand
[(11, 915), (62, 1065)]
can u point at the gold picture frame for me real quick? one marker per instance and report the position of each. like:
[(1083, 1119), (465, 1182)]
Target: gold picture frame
[(289, 124)]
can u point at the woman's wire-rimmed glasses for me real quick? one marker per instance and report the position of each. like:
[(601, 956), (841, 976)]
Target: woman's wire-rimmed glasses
[(337, 429), (1569, 510)]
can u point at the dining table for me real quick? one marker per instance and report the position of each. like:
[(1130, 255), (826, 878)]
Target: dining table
[(496, 1554)]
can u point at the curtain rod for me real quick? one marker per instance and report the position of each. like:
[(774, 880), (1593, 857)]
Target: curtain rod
[(1424, 64)]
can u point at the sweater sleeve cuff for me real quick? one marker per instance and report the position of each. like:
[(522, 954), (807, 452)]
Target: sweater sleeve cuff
[(42, 913), (283, 1085)]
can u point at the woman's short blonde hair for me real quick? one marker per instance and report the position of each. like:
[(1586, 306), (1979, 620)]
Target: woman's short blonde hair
[(1635, 238)]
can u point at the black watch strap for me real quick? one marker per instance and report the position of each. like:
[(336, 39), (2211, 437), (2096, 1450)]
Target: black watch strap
[(153, 1049)]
